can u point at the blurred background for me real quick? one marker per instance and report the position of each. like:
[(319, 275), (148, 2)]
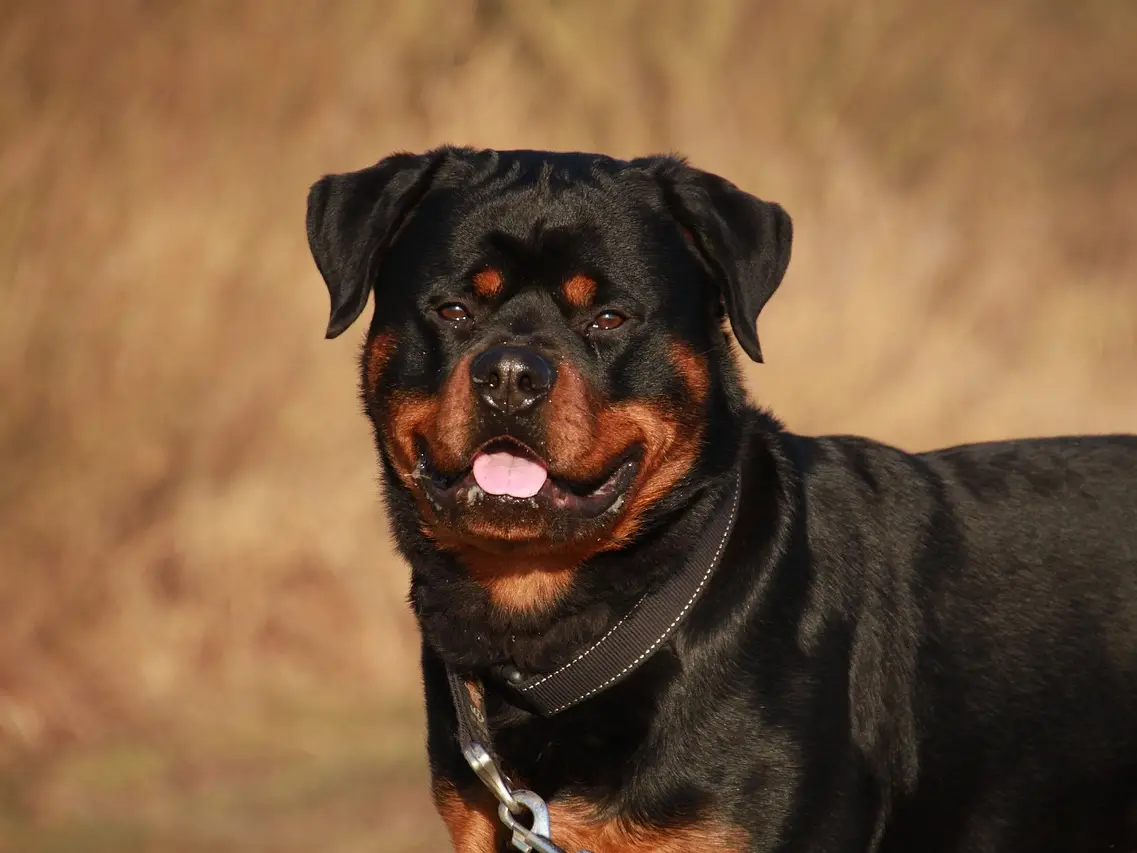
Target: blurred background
[(204, 644)]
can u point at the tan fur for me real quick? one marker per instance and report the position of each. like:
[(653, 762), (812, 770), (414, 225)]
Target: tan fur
[(488, 283), (379, 351), (579, 291), (473, 827)]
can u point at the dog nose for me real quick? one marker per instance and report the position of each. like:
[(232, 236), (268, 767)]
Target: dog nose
[(511, 380)]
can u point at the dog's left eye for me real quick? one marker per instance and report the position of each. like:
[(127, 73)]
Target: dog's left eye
[(607, 321), (454, 311)]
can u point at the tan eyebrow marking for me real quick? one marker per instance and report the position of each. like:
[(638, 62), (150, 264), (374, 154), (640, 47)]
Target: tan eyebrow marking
[(579, 291), (488, 282)]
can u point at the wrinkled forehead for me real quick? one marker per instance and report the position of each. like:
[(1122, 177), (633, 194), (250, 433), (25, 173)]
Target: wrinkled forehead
[(537, 231)]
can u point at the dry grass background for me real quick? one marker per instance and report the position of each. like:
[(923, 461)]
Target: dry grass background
[(203, 643)]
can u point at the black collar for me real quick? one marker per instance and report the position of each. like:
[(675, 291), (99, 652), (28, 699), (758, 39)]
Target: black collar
[(617, 654)]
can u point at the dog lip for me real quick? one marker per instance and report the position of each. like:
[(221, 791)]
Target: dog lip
[(430, 474), (586, 488), (605, 497), (588, 500)]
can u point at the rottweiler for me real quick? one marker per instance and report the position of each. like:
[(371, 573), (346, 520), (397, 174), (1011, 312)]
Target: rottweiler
[(671, 622)]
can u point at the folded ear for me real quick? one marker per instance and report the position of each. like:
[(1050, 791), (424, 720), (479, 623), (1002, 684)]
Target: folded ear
[(745, 241), (353, 217)]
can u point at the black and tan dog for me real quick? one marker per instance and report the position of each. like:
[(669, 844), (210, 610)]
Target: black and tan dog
[(691, 629)]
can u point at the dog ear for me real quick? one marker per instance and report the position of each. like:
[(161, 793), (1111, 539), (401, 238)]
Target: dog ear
[(745, 241), (352, 219)]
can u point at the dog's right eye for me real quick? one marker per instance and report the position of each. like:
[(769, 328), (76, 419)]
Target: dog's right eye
[(454, 312)]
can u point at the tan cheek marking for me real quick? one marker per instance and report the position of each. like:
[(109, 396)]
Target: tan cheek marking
[(571, 421), (586, 437), (408, 415), (670, 440), (579, 291), (671, 446), (456, 408), (444, 422), (692, 369), (379, 351), (488, 283)]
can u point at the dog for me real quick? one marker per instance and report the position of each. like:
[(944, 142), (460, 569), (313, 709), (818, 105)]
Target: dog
[(671, 622)]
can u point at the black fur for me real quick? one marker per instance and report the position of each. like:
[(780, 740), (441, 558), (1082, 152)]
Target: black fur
[(924, 653)]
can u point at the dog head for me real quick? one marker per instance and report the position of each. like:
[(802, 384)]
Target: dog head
[(547, 346)]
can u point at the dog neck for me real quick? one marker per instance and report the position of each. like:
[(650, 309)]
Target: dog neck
[(637, 634), (471, 635)]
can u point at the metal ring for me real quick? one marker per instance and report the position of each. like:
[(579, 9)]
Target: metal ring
[(534, 839)]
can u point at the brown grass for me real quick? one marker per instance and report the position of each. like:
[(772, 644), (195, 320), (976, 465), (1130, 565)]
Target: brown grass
[(190, 536)]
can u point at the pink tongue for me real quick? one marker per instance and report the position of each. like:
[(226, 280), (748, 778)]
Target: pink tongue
[(503, 473)]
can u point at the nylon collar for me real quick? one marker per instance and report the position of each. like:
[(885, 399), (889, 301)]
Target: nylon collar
[(617, 654)]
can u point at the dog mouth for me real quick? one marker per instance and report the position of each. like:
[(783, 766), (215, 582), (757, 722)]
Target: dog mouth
[(505, 473)]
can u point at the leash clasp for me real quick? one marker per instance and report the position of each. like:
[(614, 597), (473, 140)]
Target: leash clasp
[(480, 761), (513, 805)]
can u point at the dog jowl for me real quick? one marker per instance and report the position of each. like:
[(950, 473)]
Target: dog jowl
[(681, 625)]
